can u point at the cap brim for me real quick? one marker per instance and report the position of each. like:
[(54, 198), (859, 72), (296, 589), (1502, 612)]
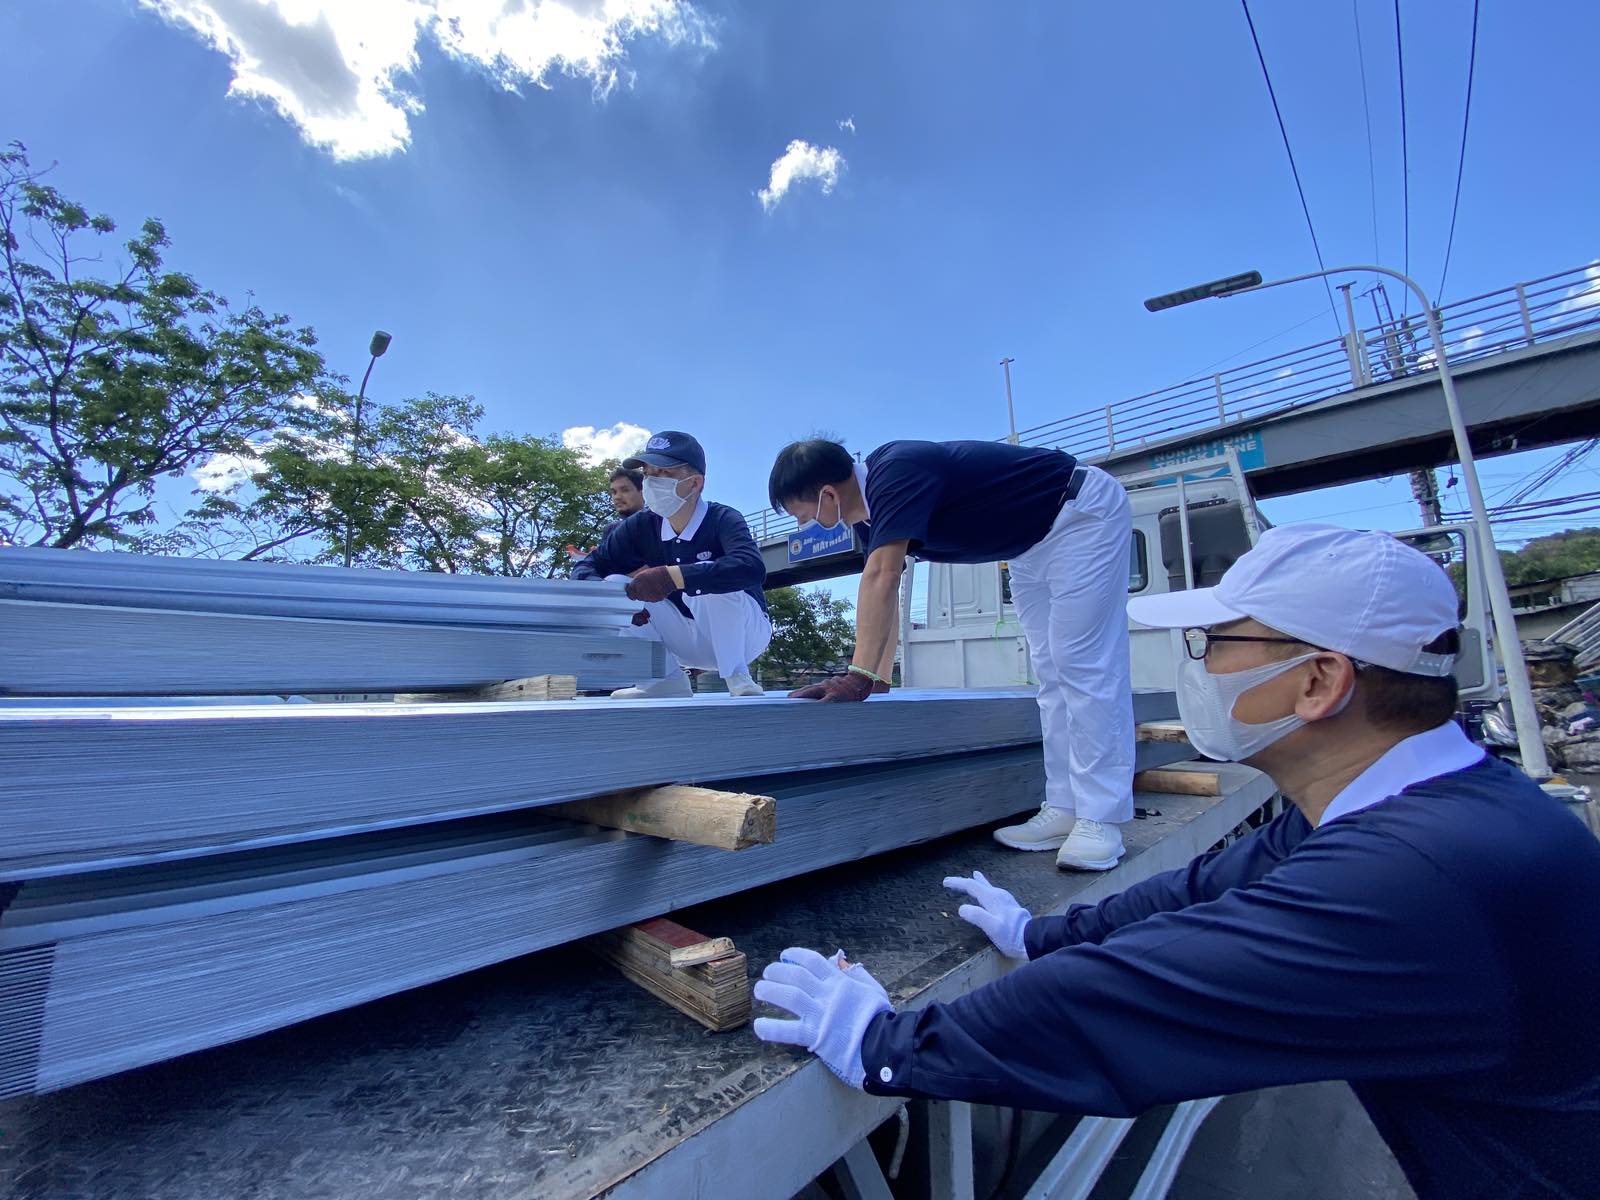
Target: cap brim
[(1182, 610), (652, 460)]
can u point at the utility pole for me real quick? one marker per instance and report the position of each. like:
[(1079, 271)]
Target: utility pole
[(376, 347), (1360, 376), (1011, 412), (1425, 490), (1535, 761)]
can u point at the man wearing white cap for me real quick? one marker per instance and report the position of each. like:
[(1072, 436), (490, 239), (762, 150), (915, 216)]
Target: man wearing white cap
[(1421, 921)]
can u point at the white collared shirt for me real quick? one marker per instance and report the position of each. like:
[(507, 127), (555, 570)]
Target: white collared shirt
[(668, 533), (1421, 756)]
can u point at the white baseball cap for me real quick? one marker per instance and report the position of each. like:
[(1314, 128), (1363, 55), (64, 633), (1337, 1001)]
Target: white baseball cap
[(1360, 592)]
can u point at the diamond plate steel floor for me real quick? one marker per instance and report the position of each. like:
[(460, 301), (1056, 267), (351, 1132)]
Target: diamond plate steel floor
[(546, 1077)]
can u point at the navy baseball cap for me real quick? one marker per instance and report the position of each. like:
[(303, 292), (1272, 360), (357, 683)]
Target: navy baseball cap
[(669, 449)]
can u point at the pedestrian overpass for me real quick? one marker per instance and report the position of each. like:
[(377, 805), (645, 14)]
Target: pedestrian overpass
[(1526, 361)]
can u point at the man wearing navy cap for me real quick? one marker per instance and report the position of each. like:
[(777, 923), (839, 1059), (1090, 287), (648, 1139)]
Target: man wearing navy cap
[(695, 568), (1066, 531), (1419, 922)]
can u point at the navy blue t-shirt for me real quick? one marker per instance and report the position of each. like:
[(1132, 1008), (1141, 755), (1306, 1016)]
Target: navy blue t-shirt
[(1437, 950), (960, 502)]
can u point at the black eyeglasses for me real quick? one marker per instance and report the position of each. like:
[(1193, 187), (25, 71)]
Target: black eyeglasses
[(1198, 641)]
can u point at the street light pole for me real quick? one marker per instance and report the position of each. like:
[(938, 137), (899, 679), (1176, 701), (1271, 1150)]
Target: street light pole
[(379, 343), (1529, 740), (1011, 412)]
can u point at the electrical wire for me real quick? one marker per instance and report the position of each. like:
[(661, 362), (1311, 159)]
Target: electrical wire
[(1535, 507), (1293, 167), (1209, 367), (1569, 512), (1405, 155), (1466, 119), (1366, 108), (1542, 477)]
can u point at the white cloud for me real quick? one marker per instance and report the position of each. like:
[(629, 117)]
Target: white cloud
[(1284, 373), (598, 445), (224, 472), (848, 125), (1584, 295), (801, 160), (340, 70)]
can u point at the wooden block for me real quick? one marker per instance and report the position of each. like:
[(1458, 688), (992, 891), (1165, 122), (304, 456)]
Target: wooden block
[(716, 992), (1178, 781), (726, 820), (533, 687), (702, 952), (1161, 731)]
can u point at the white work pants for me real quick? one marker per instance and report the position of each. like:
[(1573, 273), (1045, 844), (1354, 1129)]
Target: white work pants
[(1071, 593), (729, 629)]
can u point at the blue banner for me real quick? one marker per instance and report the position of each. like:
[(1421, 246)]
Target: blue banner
[(816, 542)]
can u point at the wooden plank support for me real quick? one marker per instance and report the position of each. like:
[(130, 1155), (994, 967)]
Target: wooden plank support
[(1179, 780), (533, 687), (704, 816), (1161, 731), (714, 991)]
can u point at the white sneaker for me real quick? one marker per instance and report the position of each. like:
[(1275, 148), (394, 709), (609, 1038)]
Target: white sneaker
[(1045, 830), (673, 686), (740, 684), (1092, 846)]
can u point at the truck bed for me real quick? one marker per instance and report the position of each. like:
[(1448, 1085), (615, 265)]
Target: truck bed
[(553, 1077)]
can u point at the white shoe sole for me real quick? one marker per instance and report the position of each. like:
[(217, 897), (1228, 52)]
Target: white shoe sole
[(1099, 864), (633, 693), (1047, 844)]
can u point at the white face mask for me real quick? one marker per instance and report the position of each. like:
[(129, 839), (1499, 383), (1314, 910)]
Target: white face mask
[(1205, 706), (661, 495), (816, 521)]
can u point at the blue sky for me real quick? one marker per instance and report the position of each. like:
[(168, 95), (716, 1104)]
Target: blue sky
[(586, 246)]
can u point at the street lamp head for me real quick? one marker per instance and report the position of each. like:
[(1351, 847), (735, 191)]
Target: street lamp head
[(380, 343), (1205, 291)]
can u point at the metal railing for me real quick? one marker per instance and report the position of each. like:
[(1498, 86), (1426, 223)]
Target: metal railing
[(1525, 314)]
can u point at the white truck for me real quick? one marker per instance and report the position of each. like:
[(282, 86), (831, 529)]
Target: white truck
[(971, 637)]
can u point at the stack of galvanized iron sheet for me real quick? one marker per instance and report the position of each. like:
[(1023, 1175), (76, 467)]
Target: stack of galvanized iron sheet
[(177, 877), (81, 623)]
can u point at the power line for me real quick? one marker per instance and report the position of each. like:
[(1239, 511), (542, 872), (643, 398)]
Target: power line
[(1536, 508), (1466, 118), (1294, 169), (1542, 477), (1209, 367), (1366, 108), (1405, 155)]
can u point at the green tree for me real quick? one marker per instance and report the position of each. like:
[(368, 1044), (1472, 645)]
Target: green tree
[(1572, 552), (812, 632), (113, 378), (418, 489)]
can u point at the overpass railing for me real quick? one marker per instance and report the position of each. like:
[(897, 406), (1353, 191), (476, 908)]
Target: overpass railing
[(1525, 314)]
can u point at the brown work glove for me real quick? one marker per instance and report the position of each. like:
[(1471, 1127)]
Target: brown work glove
[(642, 617), (651, 584), (836, 689)]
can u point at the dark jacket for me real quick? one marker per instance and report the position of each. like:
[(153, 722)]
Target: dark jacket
[(1437, 950), (720, 555)]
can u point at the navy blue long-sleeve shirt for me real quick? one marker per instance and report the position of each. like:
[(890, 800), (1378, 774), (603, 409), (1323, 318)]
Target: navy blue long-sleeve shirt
[(716, 553), (1438, 950)]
